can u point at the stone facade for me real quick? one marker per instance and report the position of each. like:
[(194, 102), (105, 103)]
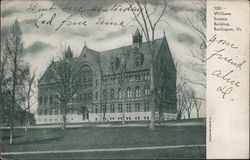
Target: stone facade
[(116, 85)]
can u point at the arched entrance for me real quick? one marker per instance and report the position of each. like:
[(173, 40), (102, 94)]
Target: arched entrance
[(85, 113), (86, 96)]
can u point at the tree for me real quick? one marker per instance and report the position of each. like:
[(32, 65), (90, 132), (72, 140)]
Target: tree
[(29, 92), (148, 26), (181, 85), (65, 72), (198, 24), (14, 73), (104, 104), (197, 103), (188, 100), (180, 98)]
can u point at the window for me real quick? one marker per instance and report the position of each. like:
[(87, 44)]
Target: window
[(56, 112), (112, 94), (112, 108), (85, 96), (146, 76), (146, 106), (137, 62), (146, 91), (45, 112), (137, 91), (41, 100), (137, 77), (45, 100), (57, 97), (104, 108), (90, 96), (90, 81), (96, 82), (119, 93), (39, 112), (117, 62), (120, 108), (137, 107), (128, 107), (129, 95), (104, 93), (96, 95), (51, 99), (112, 118), (96, 110), (84, 81), (130, 78)]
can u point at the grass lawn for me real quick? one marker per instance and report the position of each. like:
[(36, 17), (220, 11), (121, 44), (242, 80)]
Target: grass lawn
[(187, 153), (45, 139)]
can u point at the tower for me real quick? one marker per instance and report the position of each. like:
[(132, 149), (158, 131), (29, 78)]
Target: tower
[(137, 39), (68, 53)]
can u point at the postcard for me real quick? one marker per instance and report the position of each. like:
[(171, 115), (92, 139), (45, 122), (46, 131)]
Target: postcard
[(124, 79)]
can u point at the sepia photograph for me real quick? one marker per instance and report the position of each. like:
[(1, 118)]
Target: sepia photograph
[(103, 79)]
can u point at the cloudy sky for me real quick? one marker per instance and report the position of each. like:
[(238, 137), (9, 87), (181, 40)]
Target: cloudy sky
[(42, 41)]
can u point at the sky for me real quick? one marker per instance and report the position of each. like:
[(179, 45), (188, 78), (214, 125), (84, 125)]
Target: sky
[(42, 42)]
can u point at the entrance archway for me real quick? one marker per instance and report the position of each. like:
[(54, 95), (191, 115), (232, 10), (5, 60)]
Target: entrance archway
[(85, 113)]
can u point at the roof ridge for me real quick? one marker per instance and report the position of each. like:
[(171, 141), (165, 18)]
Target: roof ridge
[(128, 45)]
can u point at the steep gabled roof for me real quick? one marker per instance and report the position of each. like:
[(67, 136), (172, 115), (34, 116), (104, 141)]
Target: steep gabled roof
[(104, 58), (130, 52), (95, 54)]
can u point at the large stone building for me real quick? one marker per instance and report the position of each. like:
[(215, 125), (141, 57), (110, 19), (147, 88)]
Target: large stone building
[(115, 85)]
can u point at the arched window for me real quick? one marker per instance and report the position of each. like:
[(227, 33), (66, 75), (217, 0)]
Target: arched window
[(112, 94), (119, 93), (146, 90), (90, 81), (129, 95), (96, 95), (137, 91), (137, 107), (146, 106)]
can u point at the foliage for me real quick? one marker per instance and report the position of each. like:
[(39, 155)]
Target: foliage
[(14, 73)]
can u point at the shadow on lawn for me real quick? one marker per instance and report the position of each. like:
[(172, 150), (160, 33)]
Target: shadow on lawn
[(39, 141), (7, 137)]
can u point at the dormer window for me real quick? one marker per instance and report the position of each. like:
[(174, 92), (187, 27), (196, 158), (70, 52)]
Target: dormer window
[(137, 62), (139, 59)]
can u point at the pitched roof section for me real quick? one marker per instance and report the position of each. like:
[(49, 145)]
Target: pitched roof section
[(104, 58), (129, 52)]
